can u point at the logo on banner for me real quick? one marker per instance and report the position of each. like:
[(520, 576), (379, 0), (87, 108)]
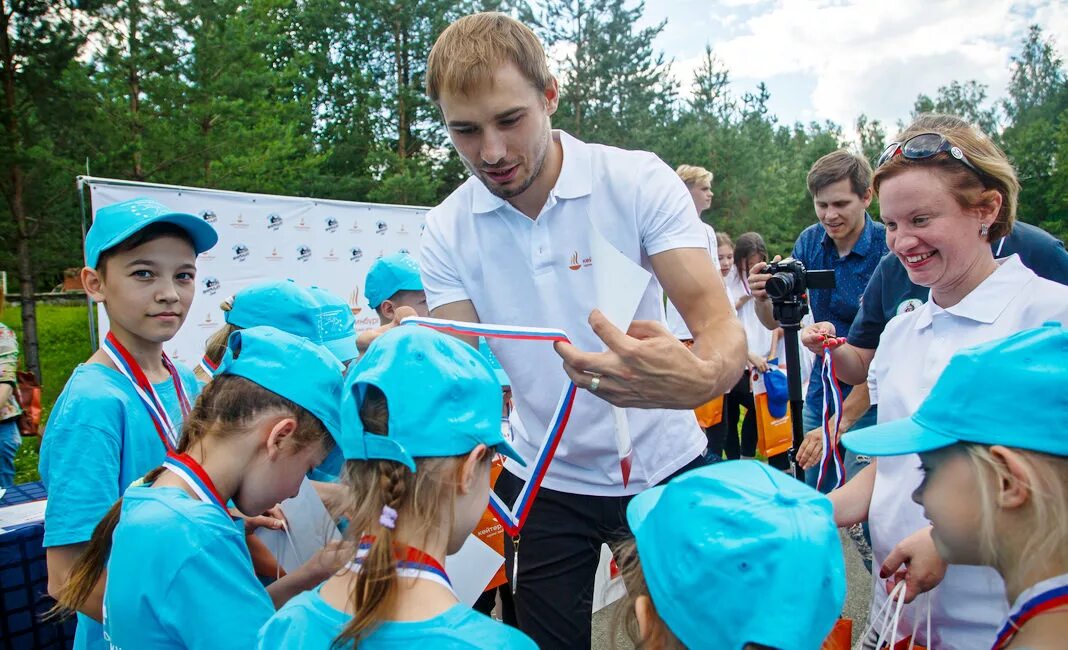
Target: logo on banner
[(355, 254), (210, 217), (304, 253), (208, 323), (422, 227), (274, 256), (354, 301), (330, 256), (331, 224), (211, 285), (239, 222), (175, 355), (577, 264), (274, 221), (240, 252), (402, 230), (404, 251), (301, 225), (381, 227), (355, 227)]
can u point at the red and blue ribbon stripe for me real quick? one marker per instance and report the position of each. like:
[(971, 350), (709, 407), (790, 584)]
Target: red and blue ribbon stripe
[(190, 471), (513, 517), (832, 421), (412, 563), (1053, 596), (208, 366), (128, 366)]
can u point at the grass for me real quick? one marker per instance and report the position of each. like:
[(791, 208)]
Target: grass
[(63, 338)]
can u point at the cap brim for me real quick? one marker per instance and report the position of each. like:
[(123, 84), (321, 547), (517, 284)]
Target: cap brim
[(897, 438), (344, 348), (505, 449), (641, 505), (201, 232)]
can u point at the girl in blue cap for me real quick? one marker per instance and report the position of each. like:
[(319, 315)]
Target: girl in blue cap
[(738, 530), (995, 484), (420, 423), (179, 573), (120, 411)]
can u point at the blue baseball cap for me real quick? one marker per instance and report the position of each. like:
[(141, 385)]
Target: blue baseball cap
[(118, 222), (390, 274), (303, 372), (1006, 392), (443, 399), (491, 359), (775, 382), (291, 308), (742, 531), (337, 325)]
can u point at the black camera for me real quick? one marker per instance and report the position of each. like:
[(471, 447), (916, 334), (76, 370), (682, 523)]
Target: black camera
[(790, 280)]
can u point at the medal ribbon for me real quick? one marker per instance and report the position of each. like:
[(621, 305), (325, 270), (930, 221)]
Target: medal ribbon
[(512, 518), (411, 563), (190, 471), (208, 366), (128, 366), (1051, 594), (832, 421)]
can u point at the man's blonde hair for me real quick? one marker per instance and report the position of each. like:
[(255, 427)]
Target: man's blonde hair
[(693, 175), (469, 51)]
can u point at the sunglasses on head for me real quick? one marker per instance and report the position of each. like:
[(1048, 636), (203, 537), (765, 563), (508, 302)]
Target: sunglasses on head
[(925, 145)]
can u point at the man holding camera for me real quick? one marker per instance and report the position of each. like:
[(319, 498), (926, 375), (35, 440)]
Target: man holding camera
[(847, 241)]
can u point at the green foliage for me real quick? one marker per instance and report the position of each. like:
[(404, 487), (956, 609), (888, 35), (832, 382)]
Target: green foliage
[(64, 339)]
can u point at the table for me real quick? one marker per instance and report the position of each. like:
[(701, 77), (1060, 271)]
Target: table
[(24, 583)]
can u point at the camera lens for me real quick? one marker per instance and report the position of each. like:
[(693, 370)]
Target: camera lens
[(780, 285)]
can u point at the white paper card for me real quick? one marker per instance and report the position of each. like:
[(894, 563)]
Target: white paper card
[(310, 529), (22, 513), (471, 568)]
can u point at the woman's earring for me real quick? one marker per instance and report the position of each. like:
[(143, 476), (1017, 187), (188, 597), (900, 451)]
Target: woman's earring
[(984, 230)]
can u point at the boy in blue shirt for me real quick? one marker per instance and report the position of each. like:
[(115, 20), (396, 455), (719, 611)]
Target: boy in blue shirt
[(121, 411)]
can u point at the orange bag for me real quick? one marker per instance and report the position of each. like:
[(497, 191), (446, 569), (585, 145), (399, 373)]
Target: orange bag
[(774, 435), (490, 531), (841, 636), (710, 413), (28, 395)]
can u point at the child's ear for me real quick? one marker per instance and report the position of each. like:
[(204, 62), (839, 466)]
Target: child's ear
[(470, 469), (278, 435), (643, 611), (93, 283), (1014, 487)]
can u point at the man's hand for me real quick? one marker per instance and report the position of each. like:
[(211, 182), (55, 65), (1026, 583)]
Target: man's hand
[(916, 561), (811, 450), (366, 338), (647, 367)]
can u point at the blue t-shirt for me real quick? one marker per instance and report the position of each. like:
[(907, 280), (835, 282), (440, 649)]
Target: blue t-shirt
[(890, 292), (851, 273), (308, 622), (99, 440), (180, 576)]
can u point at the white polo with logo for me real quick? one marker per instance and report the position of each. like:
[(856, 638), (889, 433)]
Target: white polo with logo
[(538, 273)]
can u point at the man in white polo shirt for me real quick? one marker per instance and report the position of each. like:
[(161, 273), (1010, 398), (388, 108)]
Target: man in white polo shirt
[(512, 245)]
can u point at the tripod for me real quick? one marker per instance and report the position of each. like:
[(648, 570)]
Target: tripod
[(789, 311)]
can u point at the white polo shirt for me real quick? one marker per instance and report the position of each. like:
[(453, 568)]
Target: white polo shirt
[(519, 271), (675, 323), (916, 346)]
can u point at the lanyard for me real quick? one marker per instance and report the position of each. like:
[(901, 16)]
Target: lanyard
[(1043, 597), (832, 421), (128, 366), (191, 472), (208, 366), (411, 563), (512, 518)]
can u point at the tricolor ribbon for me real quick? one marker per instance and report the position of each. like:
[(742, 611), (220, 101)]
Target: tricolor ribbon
[(208, 366), (128, 366), (832, 421), (411, 563), (1048, 595), (512, 518), (190, 471)]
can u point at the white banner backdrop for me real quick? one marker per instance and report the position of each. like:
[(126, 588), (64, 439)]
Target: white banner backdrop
[(330, 244)]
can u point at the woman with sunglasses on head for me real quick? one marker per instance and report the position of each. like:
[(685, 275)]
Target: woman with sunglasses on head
[(944, 196)]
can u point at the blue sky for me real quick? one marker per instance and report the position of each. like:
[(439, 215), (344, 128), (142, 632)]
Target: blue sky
[(835, 59)]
